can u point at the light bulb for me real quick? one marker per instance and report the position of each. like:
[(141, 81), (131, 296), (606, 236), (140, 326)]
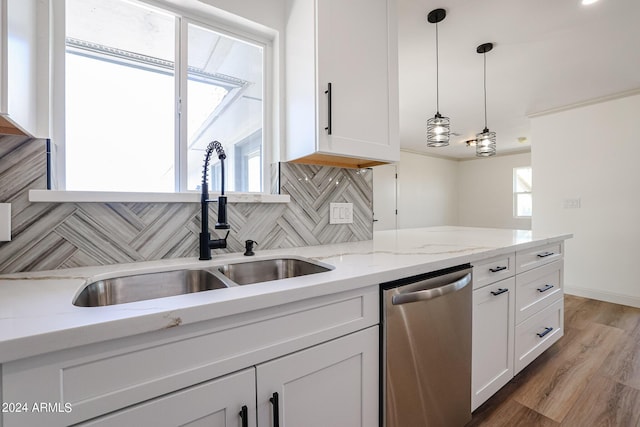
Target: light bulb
[(486, 143)]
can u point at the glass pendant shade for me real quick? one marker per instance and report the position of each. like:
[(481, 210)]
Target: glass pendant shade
[(486, 143), (486, 140), (438, 129)]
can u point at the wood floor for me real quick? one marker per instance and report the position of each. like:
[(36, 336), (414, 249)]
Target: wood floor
[(591, 377)]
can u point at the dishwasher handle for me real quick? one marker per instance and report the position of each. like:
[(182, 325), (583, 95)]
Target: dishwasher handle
[(428, 294)]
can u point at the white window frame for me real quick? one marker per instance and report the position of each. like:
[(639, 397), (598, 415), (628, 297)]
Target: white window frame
[(516, 193), (213, 19)]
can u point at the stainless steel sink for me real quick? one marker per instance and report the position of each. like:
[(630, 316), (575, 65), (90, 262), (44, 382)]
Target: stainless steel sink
[(140, 287), (246, 273)]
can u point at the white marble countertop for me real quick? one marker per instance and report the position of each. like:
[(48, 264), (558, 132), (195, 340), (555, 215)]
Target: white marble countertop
[(37, 315)]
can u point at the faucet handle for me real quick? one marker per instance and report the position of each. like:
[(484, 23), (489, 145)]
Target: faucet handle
[(219, 243), (248, 246)]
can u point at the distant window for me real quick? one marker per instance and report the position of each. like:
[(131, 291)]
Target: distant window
[(142, 102), (522, 198)]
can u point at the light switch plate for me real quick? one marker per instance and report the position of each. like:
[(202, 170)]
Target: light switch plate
[(340, 213), (572, 203), (5, 222)]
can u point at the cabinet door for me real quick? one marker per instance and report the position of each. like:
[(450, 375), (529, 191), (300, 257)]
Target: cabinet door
[(216, 403), (332, 384), (493, 335), (356, 54)]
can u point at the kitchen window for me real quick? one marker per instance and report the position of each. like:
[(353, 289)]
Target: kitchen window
[(522, 197), (146, 89)]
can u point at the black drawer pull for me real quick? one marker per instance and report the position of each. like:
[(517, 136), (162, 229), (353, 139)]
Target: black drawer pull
[(546, 331), (276, 410), (545, 254), (545, 288), (495, 270), (499, 291), (244, 412)]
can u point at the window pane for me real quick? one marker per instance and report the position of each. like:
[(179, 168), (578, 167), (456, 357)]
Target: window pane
[(120, 95), (225, 92), (523, 204), (523, 180)]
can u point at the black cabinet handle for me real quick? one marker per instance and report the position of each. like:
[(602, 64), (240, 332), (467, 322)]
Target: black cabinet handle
[(276, 410), (545, 332), (495, 270), (328, 92), (244, 416), (545, 288), (499, 291), (545, 254)]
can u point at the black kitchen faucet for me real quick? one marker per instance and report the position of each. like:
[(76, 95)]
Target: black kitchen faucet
[(206, 244)]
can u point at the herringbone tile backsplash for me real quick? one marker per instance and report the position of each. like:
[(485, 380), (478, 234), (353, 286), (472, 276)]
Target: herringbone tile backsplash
[(60, 235)]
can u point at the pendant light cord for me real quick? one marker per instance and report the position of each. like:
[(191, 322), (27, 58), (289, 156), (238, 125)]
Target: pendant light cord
[(437, 74), (484, 56)]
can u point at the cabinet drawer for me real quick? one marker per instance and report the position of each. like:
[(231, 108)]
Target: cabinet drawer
[(491, 270), (538, 333), (537, 288), (216, 403), (541, 255)]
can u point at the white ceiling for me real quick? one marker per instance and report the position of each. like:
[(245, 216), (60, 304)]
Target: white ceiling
[(547, 54)]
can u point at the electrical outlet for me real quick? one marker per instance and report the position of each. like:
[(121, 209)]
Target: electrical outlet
[(341, 213), (5, 222), (572, 203)]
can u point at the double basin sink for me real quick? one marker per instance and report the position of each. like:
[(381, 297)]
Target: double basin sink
[(139, 287)]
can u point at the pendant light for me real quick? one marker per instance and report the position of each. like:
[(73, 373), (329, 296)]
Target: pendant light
[(486, 140), (438, 127)]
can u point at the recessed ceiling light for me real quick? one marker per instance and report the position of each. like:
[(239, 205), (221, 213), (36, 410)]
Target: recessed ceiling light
[(587, 2)]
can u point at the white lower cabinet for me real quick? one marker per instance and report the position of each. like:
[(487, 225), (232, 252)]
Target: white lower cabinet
[(333, 384), (493, 335), (514, 319), (319, 355)]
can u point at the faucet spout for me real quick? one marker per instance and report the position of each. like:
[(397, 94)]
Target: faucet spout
[(206, 243)]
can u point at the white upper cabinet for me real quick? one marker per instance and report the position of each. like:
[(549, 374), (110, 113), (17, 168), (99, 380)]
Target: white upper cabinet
[(18, 66), (342, 82)]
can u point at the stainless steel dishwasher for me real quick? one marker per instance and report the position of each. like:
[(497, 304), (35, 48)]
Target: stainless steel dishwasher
[(426, 349)]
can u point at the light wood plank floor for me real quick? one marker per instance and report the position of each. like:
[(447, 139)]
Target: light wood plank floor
[(591, 377)]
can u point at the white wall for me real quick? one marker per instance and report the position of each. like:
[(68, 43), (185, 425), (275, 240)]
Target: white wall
[(427, 191), (433, 191), (485, 192), (591, 153)]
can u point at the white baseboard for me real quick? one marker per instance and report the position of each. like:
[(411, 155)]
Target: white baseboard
[(603, 296)]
